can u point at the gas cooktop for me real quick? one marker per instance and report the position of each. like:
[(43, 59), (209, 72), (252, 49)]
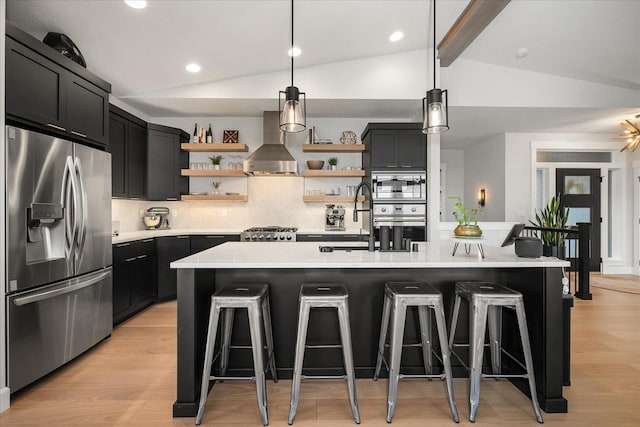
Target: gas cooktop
[(272, 233)]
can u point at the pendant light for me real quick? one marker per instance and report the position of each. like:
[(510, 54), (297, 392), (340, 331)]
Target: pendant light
[(435, 111), (292, 111)]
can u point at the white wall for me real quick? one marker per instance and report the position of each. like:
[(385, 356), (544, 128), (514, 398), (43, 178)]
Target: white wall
[(485, 168), (454, 180)]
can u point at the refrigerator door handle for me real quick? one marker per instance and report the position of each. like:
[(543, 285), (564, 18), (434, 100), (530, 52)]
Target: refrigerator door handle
[(69, 200), (82, 227), (62, 290)]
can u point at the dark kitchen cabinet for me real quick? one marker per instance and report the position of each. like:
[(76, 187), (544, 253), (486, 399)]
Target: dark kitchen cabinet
[(46, 90), (165, 160), (200, 243), (169, 249), (133, 278), (394, 146), (128, 148)]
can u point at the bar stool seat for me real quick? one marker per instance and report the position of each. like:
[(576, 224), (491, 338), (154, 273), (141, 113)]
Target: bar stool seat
[(255, 298), (327, 295), (486, 300), (397, 297)]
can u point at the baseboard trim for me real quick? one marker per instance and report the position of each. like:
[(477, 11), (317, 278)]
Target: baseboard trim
[(4, 398)]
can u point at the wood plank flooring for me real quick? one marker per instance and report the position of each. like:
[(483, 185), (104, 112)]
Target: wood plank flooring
[(129, 380)]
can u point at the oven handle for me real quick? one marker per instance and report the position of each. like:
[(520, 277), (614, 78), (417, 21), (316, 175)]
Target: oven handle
[(405, 219)]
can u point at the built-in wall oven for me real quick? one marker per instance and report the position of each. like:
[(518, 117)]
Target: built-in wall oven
[(399, 207)]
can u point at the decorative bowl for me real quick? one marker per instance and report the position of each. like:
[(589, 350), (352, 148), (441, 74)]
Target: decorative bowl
[(315, 164)]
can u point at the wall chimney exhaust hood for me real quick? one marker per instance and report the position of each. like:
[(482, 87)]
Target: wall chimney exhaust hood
[(272, 158)]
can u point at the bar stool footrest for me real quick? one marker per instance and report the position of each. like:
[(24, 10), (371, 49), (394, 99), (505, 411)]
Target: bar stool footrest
[(323, 377)]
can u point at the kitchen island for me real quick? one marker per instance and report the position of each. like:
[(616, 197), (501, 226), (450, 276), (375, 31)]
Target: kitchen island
[(284, 266)]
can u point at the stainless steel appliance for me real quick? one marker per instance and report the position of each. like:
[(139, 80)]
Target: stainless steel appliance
[(58, 246), (156, 218), (406, 215), (409, 186), (334, 218), (272, 233)]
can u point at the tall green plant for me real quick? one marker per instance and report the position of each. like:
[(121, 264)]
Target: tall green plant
[(552, 216)]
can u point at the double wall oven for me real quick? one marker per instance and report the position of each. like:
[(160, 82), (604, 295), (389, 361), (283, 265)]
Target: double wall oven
[(399, 203)]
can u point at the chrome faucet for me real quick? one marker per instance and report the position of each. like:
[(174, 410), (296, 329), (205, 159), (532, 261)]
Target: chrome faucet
[(372, 237)]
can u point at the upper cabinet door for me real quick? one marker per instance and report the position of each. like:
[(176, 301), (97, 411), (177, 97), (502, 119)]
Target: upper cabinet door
[(33, 86), (411, 146), (87, 110), (383, 149), (136, 161), (117, 147)]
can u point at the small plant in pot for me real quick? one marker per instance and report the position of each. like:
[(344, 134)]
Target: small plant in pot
[(216, 161), (552, 216), (467, 220), (333, 162)]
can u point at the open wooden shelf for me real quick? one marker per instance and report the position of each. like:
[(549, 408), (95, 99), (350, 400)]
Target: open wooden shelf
[(333, 148), (212, 172), (213, 147), (221, 197), (325, 173), (331, 199)]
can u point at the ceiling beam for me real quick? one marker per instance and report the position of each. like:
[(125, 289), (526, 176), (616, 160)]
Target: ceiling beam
[(471, 22)]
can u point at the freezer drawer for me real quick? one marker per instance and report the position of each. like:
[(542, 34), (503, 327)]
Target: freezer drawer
[(51, 325)]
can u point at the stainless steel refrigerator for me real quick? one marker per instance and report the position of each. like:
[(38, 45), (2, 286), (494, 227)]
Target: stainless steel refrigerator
[(58, 249)]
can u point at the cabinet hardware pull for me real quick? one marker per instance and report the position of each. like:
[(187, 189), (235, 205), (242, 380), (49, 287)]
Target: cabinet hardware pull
[(172, 198), (182, 237), (130, 259), (122, 245), (147, 240), (79, 134), (406, 166), (134, 198), (51, 125), (215, 237), (315, 235), (141, 256)]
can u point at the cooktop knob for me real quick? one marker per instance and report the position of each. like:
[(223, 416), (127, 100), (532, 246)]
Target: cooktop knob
[(261, 237), (268, 236), (288, 237), (254, 237), (282, 237)]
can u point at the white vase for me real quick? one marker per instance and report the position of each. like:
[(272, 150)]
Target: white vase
[(334, 167), (216, 167)]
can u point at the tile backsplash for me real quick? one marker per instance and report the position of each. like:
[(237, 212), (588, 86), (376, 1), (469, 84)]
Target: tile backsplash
[(272, 201)]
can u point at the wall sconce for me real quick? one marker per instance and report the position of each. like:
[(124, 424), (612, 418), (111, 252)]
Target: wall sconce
[(482, 197)]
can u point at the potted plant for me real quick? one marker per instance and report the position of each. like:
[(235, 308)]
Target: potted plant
[(552, 216), (216, 161), (333, 162), (467, 220)]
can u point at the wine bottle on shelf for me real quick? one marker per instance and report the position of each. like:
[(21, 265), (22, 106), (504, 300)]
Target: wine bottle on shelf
[(195, 135), (210, 135), (202, 137)]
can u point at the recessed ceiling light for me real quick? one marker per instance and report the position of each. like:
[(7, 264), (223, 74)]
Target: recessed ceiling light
[(294, 52), (136, 4), (522, 52), (193, 67), (397, 35)]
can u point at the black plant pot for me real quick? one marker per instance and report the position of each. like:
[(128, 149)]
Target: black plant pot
[(553, 251)]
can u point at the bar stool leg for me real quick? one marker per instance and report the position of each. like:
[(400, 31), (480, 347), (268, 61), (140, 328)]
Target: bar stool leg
[(425, 335), (526, 349), (257, 346), (446, 358), (454, 322), (476, 342), (268, 332), (398, 314), (303, 322), (386, 311), (495, 337), (347, 354), (214, 314), (227, 327)]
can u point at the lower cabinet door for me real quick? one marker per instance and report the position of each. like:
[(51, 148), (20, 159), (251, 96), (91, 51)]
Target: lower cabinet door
[(169, 249)]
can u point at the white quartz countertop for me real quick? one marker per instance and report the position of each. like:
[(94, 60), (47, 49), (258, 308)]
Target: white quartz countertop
[(130, 236), (308, 255)]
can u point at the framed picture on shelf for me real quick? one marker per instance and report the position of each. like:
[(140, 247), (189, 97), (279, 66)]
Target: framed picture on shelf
[(230, 137)]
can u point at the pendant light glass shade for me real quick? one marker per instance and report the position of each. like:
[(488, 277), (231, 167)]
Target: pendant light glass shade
[(435, 112), (292, 110), (435, 109)]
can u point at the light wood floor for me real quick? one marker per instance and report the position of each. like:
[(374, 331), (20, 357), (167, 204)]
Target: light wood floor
[(129, 380)]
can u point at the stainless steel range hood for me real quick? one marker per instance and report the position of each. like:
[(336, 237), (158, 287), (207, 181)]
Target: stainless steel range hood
[(272, 158)]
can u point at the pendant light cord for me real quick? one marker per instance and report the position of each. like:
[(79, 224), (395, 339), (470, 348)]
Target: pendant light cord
[(291, 42), (434, 43)]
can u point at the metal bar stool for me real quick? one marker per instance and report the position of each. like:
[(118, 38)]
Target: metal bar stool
[(332, 295), (397, 297), (486, 300), (255, 298)]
